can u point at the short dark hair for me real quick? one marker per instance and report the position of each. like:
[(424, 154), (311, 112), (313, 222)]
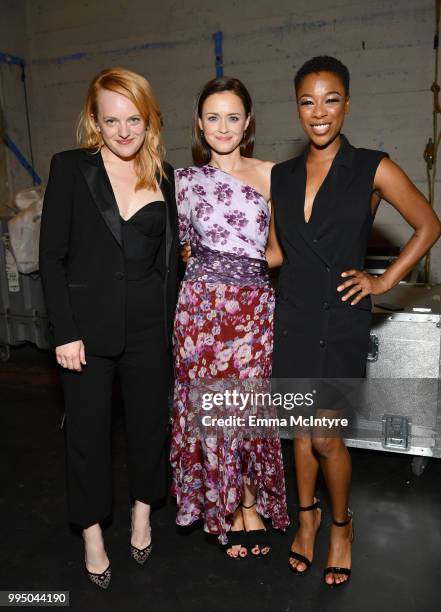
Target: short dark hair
[(323, 63), (199, 147)]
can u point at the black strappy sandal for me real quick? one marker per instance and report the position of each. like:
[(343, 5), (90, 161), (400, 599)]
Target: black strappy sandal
[(257, 538), (236, 538), (340, 570), (298, 556)]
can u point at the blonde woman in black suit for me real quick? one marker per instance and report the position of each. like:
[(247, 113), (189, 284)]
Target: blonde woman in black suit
[(108, 259)]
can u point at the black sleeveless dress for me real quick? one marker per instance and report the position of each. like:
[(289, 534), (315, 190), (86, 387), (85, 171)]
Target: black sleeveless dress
[(316, 335)]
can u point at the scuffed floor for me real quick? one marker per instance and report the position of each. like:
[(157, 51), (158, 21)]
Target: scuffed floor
[(397, 519)]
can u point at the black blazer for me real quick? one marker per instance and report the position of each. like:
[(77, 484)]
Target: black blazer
[(82, 259)]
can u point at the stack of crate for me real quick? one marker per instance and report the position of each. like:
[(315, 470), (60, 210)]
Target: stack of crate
[(23, 315)]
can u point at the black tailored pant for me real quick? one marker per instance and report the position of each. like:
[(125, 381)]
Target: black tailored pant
[(143, 368)]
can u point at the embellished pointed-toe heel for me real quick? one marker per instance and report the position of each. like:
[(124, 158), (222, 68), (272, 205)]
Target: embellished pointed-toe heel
[(345, 571), (141, 554), (100, 580), (297, 556)]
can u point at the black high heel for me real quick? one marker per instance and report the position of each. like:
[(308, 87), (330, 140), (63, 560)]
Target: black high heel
[(101, 580), (340, 570), (257, 538), (298, 556), (140, 555)]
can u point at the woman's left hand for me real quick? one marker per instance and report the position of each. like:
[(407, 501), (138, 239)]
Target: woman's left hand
[(361, 284)]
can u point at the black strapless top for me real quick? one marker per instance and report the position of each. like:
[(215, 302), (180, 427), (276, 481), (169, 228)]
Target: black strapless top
[(142, 236)]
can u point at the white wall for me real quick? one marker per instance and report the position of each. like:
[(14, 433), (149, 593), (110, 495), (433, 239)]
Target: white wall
[(387, 45)]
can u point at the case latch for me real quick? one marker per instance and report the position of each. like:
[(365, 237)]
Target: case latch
[(374, 344), (396, 432)]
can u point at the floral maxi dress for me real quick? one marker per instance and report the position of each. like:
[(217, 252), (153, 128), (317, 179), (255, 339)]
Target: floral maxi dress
[(223, 331)]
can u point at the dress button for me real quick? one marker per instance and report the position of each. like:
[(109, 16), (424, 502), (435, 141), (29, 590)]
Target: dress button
[(322, 343), (326, 305), (284, 332), (119, 275), (315, 240)]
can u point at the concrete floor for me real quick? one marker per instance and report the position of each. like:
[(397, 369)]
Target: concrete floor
[(397, 559)]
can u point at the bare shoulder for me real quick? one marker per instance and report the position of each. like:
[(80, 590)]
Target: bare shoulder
[(263, 167), (258, 174), (388, 171)]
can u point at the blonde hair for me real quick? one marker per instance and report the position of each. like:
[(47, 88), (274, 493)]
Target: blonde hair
[(149, 158)]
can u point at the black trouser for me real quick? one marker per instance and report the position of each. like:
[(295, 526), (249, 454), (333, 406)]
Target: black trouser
[(143, 368)]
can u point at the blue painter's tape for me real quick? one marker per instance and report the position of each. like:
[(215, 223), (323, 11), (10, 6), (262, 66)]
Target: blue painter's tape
[(218, 53), (74, 57), (6, 58), (22, 159), (142, 47), (62, 59)]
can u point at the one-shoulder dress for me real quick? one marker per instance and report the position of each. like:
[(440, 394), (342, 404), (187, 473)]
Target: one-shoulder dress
[(223, 330)]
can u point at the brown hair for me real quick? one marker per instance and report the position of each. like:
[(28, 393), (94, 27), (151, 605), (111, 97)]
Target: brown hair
[(200, 149), (149, 158)]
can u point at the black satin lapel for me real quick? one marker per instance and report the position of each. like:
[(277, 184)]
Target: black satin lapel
[(167, 189), (101, 190)]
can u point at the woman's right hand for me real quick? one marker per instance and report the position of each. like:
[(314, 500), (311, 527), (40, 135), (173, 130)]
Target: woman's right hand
[(71, 355), (186, 252)]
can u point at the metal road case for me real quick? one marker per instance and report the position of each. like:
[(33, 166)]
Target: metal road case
[(397, 407), (379, 258), (402, 406), (22, 308)]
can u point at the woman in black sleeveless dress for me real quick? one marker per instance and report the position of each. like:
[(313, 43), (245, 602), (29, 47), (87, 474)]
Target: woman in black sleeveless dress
[(324, 204)]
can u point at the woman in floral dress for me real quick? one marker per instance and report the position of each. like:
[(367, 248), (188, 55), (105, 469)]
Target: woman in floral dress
[(224, 326)]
